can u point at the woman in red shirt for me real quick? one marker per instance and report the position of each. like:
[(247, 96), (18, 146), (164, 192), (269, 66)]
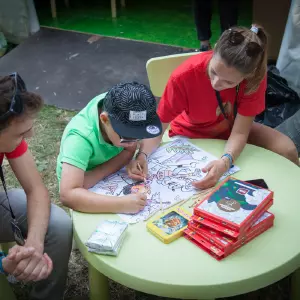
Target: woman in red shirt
[(217, 94)]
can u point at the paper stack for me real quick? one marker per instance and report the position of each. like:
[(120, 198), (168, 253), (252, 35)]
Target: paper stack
[(107, 238), (231, 216)]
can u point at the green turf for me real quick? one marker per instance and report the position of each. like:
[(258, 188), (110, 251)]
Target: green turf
[(161, 21)]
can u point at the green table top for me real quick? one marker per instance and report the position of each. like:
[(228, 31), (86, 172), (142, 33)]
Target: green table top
[(182, 270)]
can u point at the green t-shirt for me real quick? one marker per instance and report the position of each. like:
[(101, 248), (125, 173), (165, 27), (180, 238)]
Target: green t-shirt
[(82, 144)]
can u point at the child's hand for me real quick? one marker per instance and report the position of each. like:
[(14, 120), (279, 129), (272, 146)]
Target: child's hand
[(138, 168), (133, 203)]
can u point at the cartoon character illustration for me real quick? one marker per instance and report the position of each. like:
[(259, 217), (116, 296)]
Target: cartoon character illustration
[(180, 178), (171, 222), (172, 183), (137, 187), (233, 190)]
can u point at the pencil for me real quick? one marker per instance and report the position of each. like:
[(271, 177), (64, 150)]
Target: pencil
[(174, 204), (151, 215), (140, 169)]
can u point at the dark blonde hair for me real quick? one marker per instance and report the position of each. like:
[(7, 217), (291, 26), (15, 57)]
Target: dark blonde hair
[(32, 103), (253, 67)]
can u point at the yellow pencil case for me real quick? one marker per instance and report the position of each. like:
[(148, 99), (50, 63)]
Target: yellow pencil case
[(170, 225)]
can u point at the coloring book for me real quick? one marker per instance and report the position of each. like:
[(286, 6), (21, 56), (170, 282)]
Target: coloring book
[(172, 169)]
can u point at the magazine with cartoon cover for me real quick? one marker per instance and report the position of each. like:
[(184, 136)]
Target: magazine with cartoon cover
[(216, 252), (229, 232), (234, 203), (224, 242)]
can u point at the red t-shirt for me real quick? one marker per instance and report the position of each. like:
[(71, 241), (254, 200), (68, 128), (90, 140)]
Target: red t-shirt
[(189, 102), (19, 151)]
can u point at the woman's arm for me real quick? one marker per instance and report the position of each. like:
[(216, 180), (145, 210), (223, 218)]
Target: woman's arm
[(38, 202), (234, 146), (239, 136)]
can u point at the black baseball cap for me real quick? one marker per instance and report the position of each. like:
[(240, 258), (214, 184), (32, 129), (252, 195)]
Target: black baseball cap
[(131, 108)]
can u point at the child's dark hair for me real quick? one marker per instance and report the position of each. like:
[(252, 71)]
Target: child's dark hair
[(32, 103), (254, 67)]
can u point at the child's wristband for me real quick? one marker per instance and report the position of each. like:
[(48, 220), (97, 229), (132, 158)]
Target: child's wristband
[(141, 152), (230, 158), (2, 256)]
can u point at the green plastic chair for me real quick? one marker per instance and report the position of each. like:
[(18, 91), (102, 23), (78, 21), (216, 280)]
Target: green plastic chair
[(6, 291)]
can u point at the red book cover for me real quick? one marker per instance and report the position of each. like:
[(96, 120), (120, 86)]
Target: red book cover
[(234, 204), (225, 243), (215, 251), (223, 229), (215, 226)]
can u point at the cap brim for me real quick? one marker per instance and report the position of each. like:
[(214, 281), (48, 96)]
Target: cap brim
[(148, 131)]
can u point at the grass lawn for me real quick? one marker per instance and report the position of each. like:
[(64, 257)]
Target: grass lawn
[(45, 146)]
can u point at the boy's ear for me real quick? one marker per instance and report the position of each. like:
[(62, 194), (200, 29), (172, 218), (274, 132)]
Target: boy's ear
[(104, 118)]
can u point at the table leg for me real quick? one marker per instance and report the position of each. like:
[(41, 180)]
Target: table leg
[(295, 285), (67, 3), (98, 285), (113, 8), (53, 8)]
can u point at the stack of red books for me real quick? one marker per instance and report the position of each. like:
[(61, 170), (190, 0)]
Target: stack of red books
[(229, 217)]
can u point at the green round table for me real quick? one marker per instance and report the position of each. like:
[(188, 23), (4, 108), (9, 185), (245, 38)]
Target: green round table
[(182, 270)]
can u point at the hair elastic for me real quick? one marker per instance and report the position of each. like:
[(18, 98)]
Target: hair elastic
[(254, 29)]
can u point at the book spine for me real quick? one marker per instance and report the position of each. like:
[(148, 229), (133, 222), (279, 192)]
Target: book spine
[(208, 237), (202, 247), (215, 219), (206, 246), (212, 225), (253, 218), (250, 238)]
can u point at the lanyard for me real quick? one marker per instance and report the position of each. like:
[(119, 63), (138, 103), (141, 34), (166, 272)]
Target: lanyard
[(235, 102), (5, 189), (14, 223)]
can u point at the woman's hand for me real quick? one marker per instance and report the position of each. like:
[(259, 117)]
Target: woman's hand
[(214, 170), (138, 169)]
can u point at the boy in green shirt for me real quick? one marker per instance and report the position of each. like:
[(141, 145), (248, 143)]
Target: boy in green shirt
[(100, 140)]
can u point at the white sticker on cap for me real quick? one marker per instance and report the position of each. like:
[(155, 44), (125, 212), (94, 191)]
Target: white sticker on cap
[(138, 115), (152, 129)]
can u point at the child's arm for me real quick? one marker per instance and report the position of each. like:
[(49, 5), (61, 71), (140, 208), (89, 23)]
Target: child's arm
[(108, 168), (75, 196)]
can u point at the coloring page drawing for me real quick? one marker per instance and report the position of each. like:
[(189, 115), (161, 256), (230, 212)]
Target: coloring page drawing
[(172, 169)]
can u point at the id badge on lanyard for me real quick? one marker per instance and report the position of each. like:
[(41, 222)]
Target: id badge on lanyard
[(234, 105), (18, 236)]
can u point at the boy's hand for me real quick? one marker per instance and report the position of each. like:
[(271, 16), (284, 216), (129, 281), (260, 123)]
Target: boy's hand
[(133, 203), (133, 170)]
